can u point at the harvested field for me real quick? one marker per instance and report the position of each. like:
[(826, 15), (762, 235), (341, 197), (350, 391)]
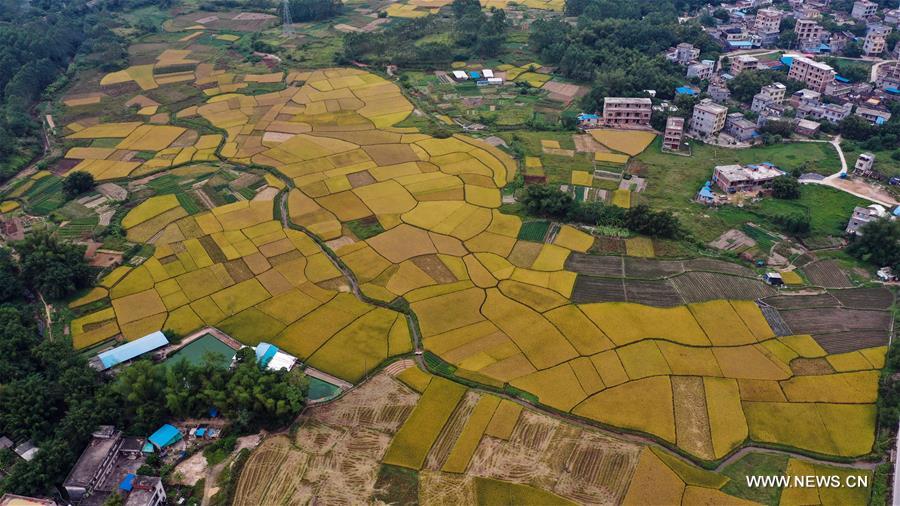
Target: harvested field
[(827, 273), (712, 265), (704, 286), (581, 465), (802, 301), (336, 452), (652, 269), (691, 420), (842, 342), (652, 293), (830, 320), (593, 289), (865, 298), (444, 443), (595, 265)]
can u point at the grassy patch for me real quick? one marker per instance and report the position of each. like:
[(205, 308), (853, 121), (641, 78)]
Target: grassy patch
[(397, 485), (673, 182), (755, 464), (365, 228)]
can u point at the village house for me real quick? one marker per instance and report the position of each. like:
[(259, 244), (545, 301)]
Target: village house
[(739, 127), (815, 74), (863, 215), (809, 33), (718, 92), (708, 118), (768, 95), (107, 463), (865, 162), (702, 70), (876, 40), (874, 115), (627, 112), (21, 500), (683, 54), (746, 178), (674, 133), (807, 127), (767, 25), (743, 62), (862, 9), (892, 17)]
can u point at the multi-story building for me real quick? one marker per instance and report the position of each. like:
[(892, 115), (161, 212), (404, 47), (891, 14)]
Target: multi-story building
[(683, 54), (768, 94), (674, 133), (746, 178), (864, 164), (888, 76), (742, 63), (805, 97), (815, 74), (892, 16), (739, 127), (103, 465), (627, 112), (767, 21), (863, 9), (718, 92), (702, 71), (708, 118), (876, 40), (808, 32), (863, 215), (839, 40)]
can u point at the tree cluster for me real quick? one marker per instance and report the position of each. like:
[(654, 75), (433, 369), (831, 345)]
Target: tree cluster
[(484, 34), (618, 46), (873, 137), (56, 269), (878, 243), (548, 202), (314, 10), (248, 395)]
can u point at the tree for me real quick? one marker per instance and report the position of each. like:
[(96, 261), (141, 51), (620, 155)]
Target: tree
[(54, 268), (10, 286), (853, 49), (877, 243), (784, 128), (546, 201), (259, 397), (76, 183), (643, 220), (785, 187)]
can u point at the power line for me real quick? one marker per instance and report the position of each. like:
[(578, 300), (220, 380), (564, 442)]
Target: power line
[(287, 25)]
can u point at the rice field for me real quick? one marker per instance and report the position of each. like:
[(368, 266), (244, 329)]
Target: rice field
[(518, 305)]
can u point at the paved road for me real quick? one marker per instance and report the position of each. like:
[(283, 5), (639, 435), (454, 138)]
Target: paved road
[(896, 487)]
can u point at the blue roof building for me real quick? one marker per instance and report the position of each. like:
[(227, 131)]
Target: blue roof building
[(166, 435), (705, 194), (127, 483), (686, 90), (475, 74), (841, 79), (132, 350), (787, 60), (265, 352)]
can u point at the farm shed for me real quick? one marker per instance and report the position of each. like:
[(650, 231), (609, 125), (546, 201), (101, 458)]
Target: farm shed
[(166, 435), (129, 351), (269, 356)]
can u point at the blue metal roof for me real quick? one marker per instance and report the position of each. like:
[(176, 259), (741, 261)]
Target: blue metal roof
[(127, 483), (892, 90), (787, 60), (165, 436), (584, 116), (265, 352), (474, 74), (147, 448), (841, 79), (200, 432), (685, 90), (740, 43), (136, 348)]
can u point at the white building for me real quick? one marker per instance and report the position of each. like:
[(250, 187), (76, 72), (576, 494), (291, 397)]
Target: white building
[(708, 118)]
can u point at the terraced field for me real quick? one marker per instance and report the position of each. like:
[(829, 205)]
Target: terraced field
[(678, 351)]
